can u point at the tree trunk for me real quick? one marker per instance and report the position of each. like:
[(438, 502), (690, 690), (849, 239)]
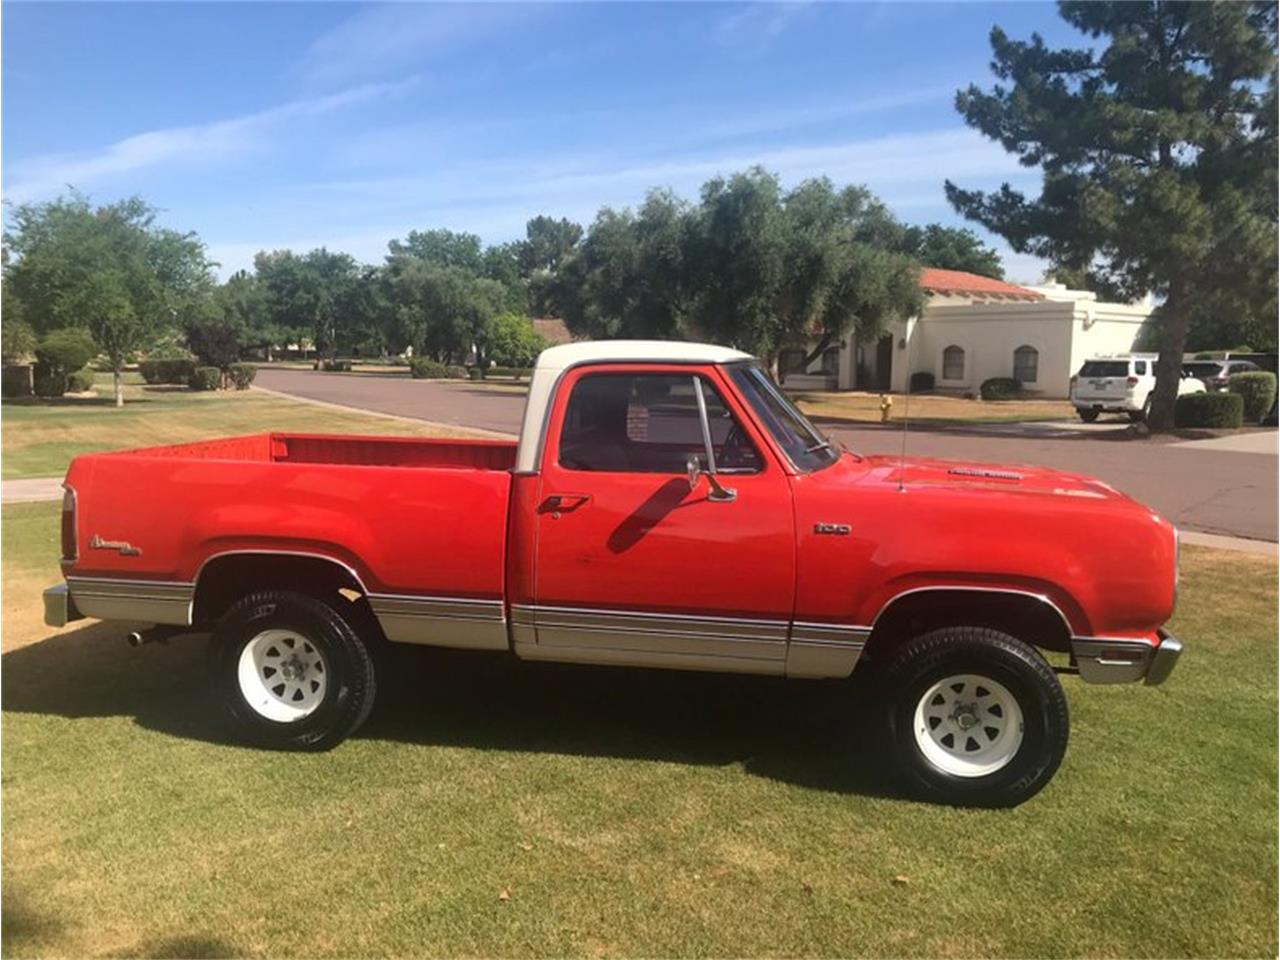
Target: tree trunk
[(819, 350), (118, 383), (1173, 342)]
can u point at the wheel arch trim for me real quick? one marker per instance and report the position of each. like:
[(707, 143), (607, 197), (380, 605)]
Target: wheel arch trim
[(1039, 596)]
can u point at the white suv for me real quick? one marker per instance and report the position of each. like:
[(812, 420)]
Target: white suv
[(1120, 384)]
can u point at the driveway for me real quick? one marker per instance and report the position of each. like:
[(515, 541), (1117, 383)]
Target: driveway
[(1225, 488)]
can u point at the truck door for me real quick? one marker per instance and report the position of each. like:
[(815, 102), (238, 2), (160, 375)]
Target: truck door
[(632, 563)]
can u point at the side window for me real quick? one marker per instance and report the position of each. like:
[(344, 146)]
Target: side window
[(953, 363), (1026, 364), (648, 423), (1140, 367)]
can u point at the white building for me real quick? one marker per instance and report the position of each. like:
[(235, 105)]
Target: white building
[(973, 328)]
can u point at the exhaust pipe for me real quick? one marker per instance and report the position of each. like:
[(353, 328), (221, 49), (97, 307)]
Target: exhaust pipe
[(158, 634)]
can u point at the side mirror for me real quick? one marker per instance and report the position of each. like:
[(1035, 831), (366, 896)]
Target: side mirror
[(717, 494)]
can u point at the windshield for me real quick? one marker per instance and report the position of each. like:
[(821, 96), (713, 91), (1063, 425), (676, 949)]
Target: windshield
[(804, 446), (1202, 369)]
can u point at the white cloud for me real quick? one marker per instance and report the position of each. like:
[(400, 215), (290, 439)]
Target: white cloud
[(42, 176), (389, 37), (753, 27)]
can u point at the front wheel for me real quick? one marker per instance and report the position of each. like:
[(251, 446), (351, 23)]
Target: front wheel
[(291, 670), (977, 717)]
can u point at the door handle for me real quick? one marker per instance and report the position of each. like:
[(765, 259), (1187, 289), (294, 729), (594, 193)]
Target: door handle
[(567, 501)]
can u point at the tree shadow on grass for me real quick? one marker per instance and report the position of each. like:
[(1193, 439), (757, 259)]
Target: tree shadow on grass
[(815, 734)]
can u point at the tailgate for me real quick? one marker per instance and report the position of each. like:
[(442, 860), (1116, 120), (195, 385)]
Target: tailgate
[(1102, 380)]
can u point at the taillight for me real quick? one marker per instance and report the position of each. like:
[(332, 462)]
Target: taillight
[(1132, 381), (69, 553)]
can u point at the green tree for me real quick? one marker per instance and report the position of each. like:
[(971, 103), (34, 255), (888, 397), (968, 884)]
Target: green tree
[(17, 339), (442, 248), (951, 248), (547, 242), (316, 292), (1158, 155), (513, 342), (109, 269)]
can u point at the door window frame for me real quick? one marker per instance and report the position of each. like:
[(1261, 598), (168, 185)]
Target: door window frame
[(711, 375)]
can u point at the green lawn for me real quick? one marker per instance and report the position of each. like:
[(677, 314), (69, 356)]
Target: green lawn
[(40, 437), (621, 812)]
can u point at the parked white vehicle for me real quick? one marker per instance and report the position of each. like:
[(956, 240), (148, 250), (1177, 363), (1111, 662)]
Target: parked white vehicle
[(1120, 384)]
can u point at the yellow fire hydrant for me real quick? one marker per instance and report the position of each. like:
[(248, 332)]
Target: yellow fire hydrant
[(886, 405)]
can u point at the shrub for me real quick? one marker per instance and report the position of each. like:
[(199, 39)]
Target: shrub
[(336, 366), (17, 380), (921, 381), (1209, 410), (242, 375), (475, 373), (206, 378), (58, 356), (81, 381), (167, 370), (455, 372), (1000, 388), (516, 372), (421, 368), (1258, 388)]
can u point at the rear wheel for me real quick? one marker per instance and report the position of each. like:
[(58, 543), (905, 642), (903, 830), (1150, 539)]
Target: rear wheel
[(1141, 416), (977, 717), (292, 671), (1088, 416)]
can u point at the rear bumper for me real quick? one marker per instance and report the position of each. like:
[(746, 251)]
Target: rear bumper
[(1105, 406), (1102, 660), (59, 608)]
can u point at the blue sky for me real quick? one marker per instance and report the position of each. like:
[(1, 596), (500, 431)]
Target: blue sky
[(305, 124)]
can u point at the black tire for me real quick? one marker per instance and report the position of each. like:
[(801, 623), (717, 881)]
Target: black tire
[(1141, 416), (1088, 416), (919, 666), (349, 685)]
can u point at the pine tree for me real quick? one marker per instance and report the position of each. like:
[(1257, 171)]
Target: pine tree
[(1158, 155)]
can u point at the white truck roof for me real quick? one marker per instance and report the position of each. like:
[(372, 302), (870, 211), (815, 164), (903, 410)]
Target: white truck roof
[(555, 360)]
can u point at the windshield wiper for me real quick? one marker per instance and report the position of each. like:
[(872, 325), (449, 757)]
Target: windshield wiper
[(818, 446)]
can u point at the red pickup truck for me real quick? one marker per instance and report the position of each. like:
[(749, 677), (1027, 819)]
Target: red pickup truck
[(665, 506)]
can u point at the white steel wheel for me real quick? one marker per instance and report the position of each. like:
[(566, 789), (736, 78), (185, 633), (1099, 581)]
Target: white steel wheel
[(282, 675), (968, 725)]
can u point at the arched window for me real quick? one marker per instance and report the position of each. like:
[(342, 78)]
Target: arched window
[(953, 363), (1026, 364)]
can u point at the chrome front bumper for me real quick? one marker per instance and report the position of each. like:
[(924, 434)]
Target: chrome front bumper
[(1125, 661), (59, 608)]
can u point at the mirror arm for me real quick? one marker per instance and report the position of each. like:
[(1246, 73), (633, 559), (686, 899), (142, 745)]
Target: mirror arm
[(718, 493)]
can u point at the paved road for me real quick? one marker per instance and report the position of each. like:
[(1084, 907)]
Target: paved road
[(1224, 488)]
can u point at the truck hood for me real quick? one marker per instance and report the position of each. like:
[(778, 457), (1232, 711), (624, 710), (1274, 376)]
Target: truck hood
[(997, 477)]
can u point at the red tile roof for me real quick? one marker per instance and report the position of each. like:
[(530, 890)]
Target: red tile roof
[(553, 330), (959, 283)]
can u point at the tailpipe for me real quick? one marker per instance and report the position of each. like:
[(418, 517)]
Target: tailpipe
[(159, 634)]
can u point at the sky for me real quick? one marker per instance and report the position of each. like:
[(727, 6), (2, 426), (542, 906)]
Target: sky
[(264, 126)]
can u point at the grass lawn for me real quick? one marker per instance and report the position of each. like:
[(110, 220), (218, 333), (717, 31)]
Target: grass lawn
[(866, 407), (40, 438), (491, 808)]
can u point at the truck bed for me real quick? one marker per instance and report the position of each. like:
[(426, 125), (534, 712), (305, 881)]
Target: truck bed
[(410, 517), (365, 451)]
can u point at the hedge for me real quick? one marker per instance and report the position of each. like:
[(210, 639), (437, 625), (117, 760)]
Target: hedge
[(336, 366), (1209, 410), (421, 368), (81, 381), (475, 373), (167, 370), (206, 378), (515, 372), (921, 381), (1258, 389), (242, 375), (1000, 388)]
